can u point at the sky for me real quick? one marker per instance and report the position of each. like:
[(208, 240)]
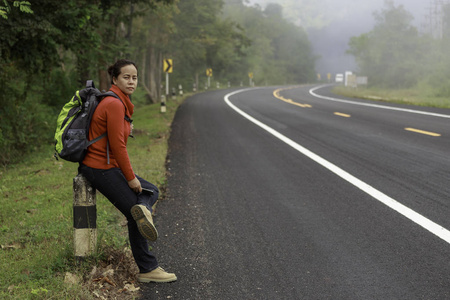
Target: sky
[(331, 23)]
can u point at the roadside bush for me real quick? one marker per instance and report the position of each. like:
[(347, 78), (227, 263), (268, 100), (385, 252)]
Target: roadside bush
[(28, 111)]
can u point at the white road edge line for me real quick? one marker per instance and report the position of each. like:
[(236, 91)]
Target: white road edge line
[(312, 92), (417, 218)]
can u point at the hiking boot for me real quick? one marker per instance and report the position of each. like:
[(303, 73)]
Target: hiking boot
[(144, 220), (157, 275)]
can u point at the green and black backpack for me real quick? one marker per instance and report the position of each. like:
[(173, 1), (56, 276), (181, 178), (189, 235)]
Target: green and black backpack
[(72, 125)]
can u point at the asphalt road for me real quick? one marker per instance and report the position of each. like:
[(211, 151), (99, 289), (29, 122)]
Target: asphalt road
[(322, 199)]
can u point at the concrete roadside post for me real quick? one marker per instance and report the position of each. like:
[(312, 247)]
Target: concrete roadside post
[(174, 93), (84, 217), (163, 104)]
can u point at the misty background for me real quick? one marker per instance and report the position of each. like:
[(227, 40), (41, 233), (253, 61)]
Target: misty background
[(330, 24)]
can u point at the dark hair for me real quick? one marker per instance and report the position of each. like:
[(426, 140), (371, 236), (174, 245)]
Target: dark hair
[(114, 70)]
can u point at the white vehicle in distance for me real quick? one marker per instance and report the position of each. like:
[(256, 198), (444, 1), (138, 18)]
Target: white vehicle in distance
[(339, 78)]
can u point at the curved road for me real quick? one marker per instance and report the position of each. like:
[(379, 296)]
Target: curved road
[(295, 193)]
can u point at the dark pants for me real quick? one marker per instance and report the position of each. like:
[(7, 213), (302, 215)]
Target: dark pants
[(114, 186)]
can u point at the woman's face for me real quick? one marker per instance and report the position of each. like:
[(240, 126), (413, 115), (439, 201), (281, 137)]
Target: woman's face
[(127, 79)]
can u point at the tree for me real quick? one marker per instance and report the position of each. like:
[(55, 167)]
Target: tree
[(24, 7), (280, 52), (47, 54), (151, 38), (390, 54), (188, 46), (440, 65)]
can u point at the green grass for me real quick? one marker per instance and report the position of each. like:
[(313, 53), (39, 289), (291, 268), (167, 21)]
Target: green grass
[(422, 95), (36, 233)]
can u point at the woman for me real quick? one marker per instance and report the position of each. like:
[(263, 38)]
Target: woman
[(108, 168)]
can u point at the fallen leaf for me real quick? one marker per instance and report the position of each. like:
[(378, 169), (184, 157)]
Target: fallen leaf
[(26, 272), (109, 272), (71, 278), (94, 270), (130, 287), (13, 246), (106, 279)]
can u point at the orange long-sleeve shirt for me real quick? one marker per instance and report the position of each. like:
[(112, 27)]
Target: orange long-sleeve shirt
[(109, 117)]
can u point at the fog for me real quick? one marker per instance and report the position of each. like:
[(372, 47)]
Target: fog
[(331, 23)]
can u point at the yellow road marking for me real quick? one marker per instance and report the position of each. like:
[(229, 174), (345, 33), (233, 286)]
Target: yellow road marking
[(423, 131), (342, 115), (277, 95)]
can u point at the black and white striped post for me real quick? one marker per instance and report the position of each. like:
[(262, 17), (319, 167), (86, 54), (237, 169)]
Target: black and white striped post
[(163, 104), (84, 217)]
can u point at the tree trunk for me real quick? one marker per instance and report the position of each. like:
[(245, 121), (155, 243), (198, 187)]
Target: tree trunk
[(154, 74), (83, 71), (196, 81), (145, 69), (103, 78), (130, 26), (151, 65)]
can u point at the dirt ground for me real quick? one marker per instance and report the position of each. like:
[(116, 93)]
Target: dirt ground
[(113, 277)]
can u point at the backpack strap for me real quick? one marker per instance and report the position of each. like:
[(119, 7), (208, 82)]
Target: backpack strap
[(96, 139), (108, 93), (112, 94), (107, 151)]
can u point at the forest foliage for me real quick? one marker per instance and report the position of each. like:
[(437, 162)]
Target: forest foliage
[(48, 49), (394, 55)]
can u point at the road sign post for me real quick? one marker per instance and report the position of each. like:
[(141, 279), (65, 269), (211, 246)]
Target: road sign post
[(209, 74), (167, 68), (167, 84)]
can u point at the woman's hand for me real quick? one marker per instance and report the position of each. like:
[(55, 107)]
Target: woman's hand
[(135, 185)]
